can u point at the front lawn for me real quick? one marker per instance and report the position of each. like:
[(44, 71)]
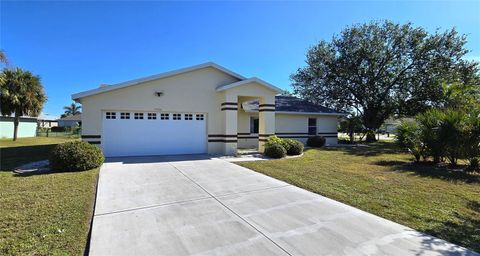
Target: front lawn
[(42, 214), (383, 181)]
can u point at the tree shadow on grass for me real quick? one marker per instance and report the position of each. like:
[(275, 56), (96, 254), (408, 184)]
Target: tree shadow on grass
[(371, 149), (464, 230), (12, 157), (431, 171)]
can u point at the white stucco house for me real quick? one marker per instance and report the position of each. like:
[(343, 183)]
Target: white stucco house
[(201, 109)]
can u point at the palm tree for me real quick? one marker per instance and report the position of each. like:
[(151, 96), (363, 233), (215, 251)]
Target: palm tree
[(72, 110), (3, 57), (21, 94)]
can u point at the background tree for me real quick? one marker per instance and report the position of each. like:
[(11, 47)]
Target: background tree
[(3, 57), (380, 69), (21, 94), (351, 124), (73, 109)]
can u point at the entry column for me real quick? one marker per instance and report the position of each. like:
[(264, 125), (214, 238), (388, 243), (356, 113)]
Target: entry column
[(230, 108), (266, 121)]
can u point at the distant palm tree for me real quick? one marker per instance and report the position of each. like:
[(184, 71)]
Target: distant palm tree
[(3, 57), (72, 110), (21, 93)]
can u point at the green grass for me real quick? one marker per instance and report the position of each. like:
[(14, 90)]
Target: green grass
[(24, 150), (383, 181), (42, 214)]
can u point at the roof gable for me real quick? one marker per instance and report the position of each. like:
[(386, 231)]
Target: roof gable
[(79, 95), (246, 81)]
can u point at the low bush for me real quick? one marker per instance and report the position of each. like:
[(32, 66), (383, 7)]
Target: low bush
[(316, 141), (58, 129), (275, 150), (76, 156), (294, 147)]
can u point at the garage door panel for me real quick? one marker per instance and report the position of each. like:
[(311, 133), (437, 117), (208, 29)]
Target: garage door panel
[(138, 137)]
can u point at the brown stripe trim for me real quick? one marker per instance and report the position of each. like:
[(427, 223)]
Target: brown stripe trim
[(248, 137), (243, 133), (223, 109), (230, 104), (266, 105), (265, 135), (328, 133), (91, 136), (223, 140), (263, 140), (266, 110), (290, 133), (94, 142), (223, 135), (306, 136)]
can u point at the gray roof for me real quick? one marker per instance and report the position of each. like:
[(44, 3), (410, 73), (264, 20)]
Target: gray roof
[(77, 117), (294, 105)]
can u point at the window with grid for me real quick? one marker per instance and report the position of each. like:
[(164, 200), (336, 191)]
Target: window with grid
[(164, 116), (312, 126), (111, 115), (152, 116), (199, 116), (188, 117), (138, 115), (177, 116), (124, 115)]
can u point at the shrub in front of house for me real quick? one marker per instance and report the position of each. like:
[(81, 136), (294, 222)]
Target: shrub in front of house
[(76, 156), (275, 150), (294, 147), (316, 141)]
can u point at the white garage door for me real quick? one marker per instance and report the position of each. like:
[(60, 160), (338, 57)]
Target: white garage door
[(153, 133)]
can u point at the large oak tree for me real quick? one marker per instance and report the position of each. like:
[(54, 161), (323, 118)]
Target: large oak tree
[(380, 69)]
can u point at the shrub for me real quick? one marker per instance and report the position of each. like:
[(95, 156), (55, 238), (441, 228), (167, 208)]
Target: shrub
[(293, 147), (76, 156), (316, 141), (409, 137), (58, 129), (429, 123), (275, 150)]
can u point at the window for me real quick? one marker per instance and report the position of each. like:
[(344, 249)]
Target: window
[(164, 116), (254, 125), (312, 126), (177, 116), (188, 117), (152, 116), (199, 116), (111, 115), (138, 115), (124, 115)]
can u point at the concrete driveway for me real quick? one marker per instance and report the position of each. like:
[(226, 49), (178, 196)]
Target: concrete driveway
[(195, 205)]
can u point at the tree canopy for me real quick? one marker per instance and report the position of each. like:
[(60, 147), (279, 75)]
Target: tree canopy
[(73, 109), (380, 69), (21, 93)]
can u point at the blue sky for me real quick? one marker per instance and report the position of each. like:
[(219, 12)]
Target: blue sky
[(76, 46)]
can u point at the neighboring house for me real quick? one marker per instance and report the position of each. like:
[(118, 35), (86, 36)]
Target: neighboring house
[(199, 109), (26, 128), (47, 121), (70, 121)]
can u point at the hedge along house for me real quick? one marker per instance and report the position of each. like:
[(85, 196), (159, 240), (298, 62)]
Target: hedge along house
[(201, 109)]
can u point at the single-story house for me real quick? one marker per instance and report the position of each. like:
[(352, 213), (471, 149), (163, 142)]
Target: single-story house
[(26, 128), (70, 121), (201, 109)]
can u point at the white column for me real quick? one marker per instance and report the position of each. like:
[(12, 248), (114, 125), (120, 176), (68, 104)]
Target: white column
[(230, 113), (266, 121)]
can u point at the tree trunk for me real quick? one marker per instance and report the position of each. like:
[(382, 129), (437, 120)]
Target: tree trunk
[(370, 136), (16, 121)]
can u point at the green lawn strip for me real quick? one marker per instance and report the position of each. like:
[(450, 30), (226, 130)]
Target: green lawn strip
[(25, 150), (46, 214), (42, 214), (384, 182)]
